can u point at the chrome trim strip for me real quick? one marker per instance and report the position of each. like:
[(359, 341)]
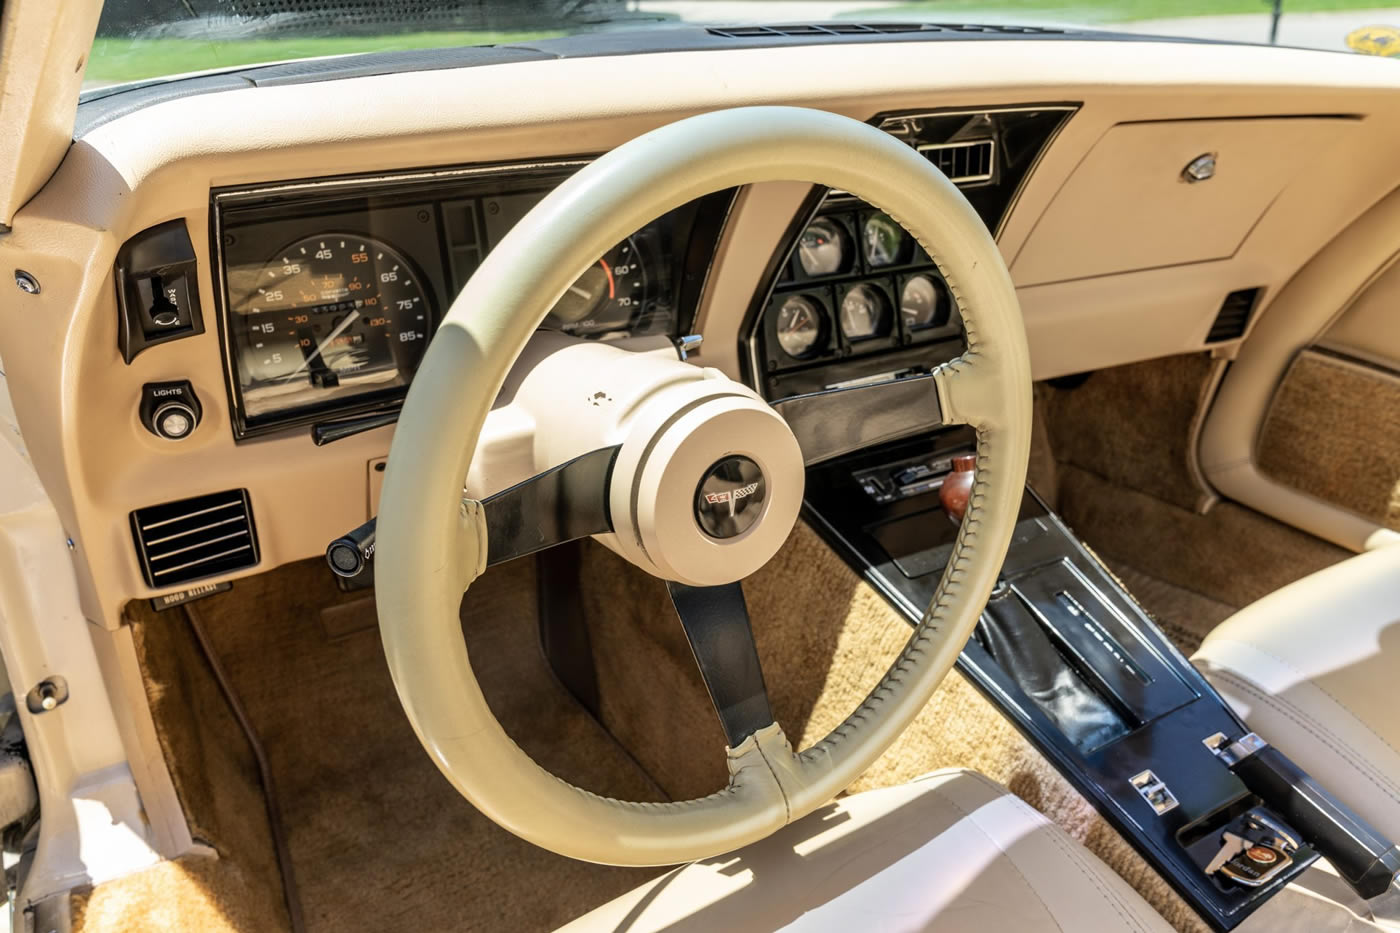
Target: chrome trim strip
[(202, 560), (198, 544), (189, 515), (181, 534)]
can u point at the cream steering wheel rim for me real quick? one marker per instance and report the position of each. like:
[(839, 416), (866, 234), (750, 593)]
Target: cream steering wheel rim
[(431, 544)]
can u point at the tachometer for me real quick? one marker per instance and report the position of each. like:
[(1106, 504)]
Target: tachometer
[(607, 296), (327, 311)]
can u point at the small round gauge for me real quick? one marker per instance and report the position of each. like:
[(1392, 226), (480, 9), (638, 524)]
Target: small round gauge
[(821, 250), (800, 326), (331, 306), (865, 313), (885, 242), (608, 295), (923, 302)]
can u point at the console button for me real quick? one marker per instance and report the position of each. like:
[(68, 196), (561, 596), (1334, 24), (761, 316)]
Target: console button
[(170, 410)]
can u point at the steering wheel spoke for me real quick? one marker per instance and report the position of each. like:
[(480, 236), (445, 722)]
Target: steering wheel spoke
[(716, 622), (561, 504), (968, 391), (841, 421), (564, 503)]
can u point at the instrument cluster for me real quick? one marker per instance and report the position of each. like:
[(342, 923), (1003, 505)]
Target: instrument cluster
[(855, 285), (331, 290)]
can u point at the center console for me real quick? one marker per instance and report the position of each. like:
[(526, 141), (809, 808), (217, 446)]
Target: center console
[(1079, 667)]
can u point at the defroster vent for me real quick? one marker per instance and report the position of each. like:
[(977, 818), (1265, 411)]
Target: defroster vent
[(1233, 318), (182, 541)]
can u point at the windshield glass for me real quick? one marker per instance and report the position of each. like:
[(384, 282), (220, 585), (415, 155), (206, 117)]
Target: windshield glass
[(139, 39)]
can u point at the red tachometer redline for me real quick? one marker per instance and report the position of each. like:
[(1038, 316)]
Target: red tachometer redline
[(612, 286)]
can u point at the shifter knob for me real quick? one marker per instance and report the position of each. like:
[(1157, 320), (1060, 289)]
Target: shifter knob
[(957, 487)]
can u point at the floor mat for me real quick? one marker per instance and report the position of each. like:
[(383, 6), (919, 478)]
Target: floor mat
[(379, 839), (1231, 554), (1185, 616), (824, 639)]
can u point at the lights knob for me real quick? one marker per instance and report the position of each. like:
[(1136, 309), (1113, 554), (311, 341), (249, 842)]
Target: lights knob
[(170, 410)]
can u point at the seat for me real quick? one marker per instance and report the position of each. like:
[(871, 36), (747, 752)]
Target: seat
[(1314, 668), (951, 851)]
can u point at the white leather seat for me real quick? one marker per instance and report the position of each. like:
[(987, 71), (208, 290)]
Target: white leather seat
[(951, 851), (1314, 668)]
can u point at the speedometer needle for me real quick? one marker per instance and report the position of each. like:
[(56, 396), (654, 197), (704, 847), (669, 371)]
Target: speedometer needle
[(350, 318)]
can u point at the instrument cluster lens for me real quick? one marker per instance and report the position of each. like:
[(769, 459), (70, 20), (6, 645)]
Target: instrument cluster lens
[(801, 326), (865, 313), (924, 303), (823, 248), (885, 242)]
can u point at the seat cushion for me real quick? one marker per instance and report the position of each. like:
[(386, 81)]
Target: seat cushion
[(1314, 668), (951, 851)]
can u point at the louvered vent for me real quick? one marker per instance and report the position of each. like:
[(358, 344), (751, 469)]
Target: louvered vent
[(193, 538), (963, 162), (1233, 319)]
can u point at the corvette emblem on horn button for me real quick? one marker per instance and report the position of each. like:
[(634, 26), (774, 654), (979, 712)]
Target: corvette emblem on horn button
[(730, 496)]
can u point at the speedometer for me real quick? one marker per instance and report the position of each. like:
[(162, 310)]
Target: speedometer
[(338, 312)]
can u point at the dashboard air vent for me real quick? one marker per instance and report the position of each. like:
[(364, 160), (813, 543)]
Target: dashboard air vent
[(193, 538), (857, 29), (1234, 314), (963, 162)]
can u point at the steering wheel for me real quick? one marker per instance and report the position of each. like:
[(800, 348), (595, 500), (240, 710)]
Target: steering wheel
[(692, 476)]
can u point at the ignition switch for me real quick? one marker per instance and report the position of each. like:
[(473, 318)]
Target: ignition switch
[(157, 292)]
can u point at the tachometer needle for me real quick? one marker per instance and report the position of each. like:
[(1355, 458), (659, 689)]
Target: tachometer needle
[(350, 318), (585, 295)]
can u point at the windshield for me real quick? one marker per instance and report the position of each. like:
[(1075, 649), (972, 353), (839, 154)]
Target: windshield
[(140, 39)]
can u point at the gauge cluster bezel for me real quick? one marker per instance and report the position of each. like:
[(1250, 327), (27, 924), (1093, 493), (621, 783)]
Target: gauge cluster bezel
[(1019, 135), (420, 215)]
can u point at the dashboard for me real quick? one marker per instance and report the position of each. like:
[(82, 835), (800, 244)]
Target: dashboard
[(328, 291), (1115, 257)]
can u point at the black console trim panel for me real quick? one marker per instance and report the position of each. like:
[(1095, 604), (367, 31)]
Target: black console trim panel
[(1147, 770)]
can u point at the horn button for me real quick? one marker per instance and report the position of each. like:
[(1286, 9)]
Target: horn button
[(705, 489), (730, 497)]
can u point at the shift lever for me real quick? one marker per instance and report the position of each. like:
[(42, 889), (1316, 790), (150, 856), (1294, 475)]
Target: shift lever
[(1366, 860), (953, 495)]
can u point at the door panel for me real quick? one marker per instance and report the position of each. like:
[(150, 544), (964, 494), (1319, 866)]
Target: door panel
[(1333, 432)]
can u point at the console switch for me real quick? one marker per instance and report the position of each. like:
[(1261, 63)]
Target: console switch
[(157, 291), (170, 410)]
